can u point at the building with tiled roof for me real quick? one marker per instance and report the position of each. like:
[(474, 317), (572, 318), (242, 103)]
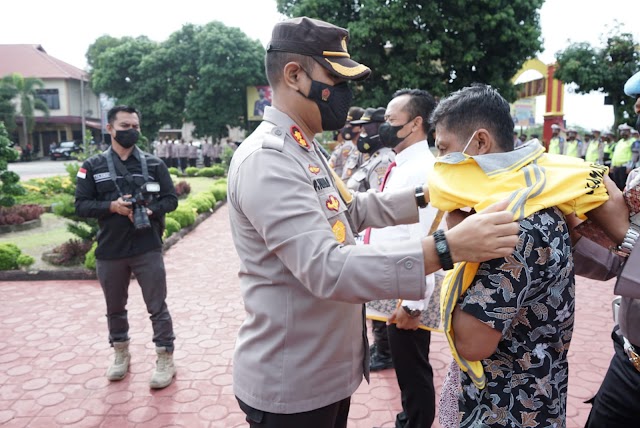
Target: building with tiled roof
[(62, 92)]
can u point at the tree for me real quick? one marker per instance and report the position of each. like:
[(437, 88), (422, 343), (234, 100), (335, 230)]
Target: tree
[(438, 45), (9, 180), (7, 109), (199, 74), (25, 89), (603, 70)]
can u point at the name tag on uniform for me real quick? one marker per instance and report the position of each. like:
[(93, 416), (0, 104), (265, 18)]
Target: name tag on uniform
[(321, 183), (101, 177)]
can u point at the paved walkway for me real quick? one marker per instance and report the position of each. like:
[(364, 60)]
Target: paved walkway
[(54, 350)]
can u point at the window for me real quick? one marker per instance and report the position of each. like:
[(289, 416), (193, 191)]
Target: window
[(50, 97)]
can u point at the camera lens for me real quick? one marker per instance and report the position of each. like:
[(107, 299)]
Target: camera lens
[(140, 218)]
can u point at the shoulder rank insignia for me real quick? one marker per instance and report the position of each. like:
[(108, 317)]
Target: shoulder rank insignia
[(332, 203), (299, 137), (314, 169)]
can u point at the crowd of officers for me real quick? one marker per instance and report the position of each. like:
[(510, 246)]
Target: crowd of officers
[(620, 153), (180, 154)]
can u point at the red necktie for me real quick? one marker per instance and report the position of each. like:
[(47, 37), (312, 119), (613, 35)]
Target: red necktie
[(367, 233)]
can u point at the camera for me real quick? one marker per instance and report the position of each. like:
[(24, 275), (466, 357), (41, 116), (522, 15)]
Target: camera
[(139, 202)]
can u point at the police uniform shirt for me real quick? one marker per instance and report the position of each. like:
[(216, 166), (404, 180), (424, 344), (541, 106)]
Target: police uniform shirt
[(372, 171), (95, 190), (302, 344)]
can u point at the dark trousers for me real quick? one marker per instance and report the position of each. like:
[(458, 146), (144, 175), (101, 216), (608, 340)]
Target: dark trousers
[(617, 402), (207, 161), (380, 338), (192, 161), (166, 162), (410, 353), (114, 277), (332, 416)]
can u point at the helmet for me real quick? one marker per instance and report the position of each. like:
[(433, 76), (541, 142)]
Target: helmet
[(632, 87)]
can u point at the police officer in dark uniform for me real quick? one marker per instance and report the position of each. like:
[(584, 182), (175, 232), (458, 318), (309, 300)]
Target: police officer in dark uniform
[(129, 192)]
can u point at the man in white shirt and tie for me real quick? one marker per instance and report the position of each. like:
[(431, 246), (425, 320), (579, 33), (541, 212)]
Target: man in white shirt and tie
[(405, 131)]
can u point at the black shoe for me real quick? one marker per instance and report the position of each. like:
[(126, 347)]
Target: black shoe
[(380, 362)]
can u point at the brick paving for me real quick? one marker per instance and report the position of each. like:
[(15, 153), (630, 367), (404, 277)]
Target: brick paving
[(54, 350)]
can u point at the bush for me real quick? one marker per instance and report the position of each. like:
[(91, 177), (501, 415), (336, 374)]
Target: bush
[(219, 191), (202, 202), (18, 214), (182, 188), (90, 257), (191, 171), (72, 252), (212, 171), (184, 214), (175, 171), (12, 258), (171, 226)]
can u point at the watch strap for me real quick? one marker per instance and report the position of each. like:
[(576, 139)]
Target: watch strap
[(442, 248), (421, 201), (629, 241), (413, 313)]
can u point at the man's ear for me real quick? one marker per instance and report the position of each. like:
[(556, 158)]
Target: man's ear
[(294, 76), (486, 143)]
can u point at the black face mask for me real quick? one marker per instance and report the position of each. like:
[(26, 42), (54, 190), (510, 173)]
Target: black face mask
[(333, 102), (389, 134), (127, 138), (369, 144), (348, 134)]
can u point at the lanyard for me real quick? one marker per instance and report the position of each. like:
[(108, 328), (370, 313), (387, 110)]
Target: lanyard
[(123, 170)]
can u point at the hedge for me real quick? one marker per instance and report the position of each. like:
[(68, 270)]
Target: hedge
[(12, 258)]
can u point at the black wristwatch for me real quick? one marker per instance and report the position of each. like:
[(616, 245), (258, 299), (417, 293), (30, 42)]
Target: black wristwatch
[(413, 313), (420, 199), (442, 248)]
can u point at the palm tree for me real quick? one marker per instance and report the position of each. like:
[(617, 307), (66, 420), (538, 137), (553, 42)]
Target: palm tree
[(25, 89)]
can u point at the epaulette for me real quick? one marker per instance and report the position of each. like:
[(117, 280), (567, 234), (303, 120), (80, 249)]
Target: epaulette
[(275, 139)]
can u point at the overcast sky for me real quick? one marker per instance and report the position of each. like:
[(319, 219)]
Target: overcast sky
[(66, 28)]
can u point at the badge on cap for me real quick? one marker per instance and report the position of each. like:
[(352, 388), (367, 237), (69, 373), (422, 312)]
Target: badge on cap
[(299, 137), (332, 203), (340, 231), (313, 169)]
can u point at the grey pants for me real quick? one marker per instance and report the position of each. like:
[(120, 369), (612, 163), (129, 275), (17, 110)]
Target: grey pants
[(114, 277)]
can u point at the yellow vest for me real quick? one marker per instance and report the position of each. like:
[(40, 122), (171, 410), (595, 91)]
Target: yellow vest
[(622, 153), (571, 148), (531, 180), (554, 146), (593, 153)]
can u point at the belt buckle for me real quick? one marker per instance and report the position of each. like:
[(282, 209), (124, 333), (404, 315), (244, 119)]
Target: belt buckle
[(633, 357)]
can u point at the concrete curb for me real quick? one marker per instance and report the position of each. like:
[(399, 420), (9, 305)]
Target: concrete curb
[(86, 274)]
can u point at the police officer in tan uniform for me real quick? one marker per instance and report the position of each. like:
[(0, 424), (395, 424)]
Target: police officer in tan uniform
[(301, 351), (349, 137), (371, 173)]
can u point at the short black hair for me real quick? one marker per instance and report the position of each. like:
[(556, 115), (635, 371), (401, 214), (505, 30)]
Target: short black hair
[(111, 116), (473, 107), (274, 62), (421, 103)]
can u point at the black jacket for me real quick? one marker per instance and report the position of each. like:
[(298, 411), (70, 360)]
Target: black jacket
[(95, 190)]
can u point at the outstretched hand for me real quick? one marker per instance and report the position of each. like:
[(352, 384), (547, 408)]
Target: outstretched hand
[(489, 234)]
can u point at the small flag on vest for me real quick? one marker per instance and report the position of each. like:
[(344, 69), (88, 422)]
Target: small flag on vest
[(82, 173)]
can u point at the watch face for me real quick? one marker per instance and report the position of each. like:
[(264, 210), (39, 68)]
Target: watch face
[(441, 247)]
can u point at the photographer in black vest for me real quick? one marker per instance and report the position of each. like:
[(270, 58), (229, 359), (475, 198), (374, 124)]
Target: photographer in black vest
[(129, 192)]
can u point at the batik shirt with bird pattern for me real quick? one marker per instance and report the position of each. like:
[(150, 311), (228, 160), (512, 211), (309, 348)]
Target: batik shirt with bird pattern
[(530, 298)]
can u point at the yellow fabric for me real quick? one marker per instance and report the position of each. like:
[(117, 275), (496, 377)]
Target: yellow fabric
[(531, 182)]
